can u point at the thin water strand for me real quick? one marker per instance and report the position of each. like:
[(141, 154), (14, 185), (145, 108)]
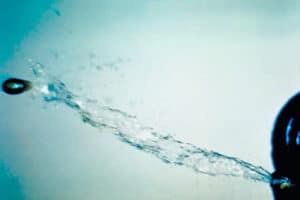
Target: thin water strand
[(129, 130)]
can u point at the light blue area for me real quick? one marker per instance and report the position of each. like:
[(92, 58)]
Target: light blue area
[(287, 132), (18, 18), (298, 138), (10, 187)]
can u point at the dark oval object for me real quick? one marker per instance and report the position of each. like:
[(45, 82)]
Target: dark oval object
[(286, 149), (15, 86)]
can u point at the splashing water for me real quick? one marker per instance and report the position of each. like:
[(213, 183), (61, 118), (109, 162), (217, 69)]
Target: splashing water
[(129, 130)]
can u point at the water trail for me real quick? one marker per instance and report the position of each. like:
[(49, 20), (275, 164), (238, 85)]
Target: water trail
[(129, 130)]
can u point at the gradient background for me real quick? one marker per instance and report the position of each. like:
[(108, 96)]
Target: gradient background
[(213, 73)]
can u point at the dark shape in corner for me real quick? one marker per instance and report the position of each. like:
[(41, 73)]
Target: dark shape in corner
[(15, 86), (286, 151)]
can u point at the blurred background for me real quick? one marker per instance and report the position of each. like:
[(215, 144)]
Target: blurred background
[(212, 73)]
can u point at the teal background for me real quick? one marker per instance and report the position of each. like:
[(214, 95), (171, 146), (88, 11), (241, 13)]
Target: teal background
[(201, 70), (18, 19)]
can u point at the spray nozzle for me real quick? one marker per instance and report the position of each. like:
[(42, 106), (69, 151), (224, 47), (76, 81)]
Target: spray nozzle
[(15, 86)]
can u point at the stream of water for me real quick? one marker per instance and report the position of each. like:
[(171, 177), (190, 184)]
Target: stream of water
[(144, 138)]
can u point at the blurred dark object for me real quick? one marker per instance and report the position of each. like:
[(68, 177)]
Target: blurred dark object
[(286, 151), (15, 86)]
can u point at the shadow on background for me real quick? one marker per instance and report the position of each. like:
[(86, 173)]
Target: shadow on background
[(18, 18), (10, 187)]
